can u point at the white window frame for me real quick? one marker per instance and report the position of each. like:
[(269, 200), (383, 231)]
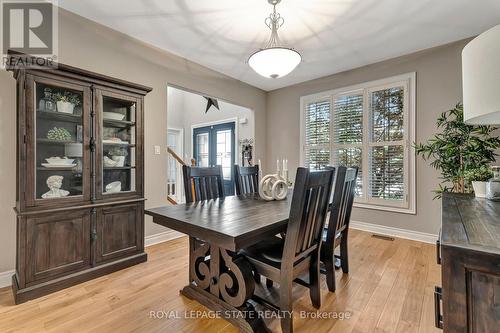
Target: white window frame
[(408, 81)]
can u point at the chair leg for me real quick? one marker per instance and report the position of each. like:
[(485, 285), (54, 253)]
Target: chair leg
[(269, 283), (286, 305), (314, 284), (330, 272), (344, 257)]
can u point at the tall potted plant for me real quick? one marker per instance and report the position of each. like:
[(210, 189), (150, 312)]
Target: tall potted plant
[(457, 148)]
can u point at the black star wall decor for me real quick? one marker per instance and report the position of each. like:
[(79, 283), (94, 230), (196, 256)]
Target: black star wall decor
[(210, 102)]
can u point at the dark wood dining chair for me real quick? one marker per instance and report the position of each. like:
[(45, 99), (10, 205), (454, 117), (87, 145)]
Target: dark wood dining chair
[(335, 233), (246, 179), (283, 260), (202, 183)]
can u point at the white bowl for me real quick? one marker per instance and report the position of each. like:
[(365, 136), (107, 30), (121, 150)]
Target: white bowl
[(113, 115), (59, 160), (114, 187)]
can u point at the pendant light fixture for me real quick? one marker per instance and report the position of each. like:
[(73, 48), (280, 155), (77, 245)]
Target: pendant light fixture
[(274, 60)]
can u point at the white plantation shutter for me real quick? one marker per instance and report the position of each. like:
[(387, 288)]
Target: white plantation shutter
[(386, 179), (348, 133), (317, 134), (369, 126)]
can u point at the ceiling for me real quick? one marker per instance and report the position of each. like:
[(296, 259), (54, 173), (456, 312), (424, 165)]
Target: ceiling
[(331, 35)]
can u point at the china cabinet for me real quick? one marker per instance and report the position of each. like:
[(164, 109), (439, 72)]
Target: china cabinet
[(80, 195)]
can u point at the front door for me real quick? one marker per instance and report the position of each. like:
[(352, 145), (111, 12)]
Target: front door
[(215, 145)]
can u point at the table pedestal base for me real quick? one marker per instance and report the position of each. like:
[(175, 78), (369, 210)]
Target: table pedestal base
[(223, 282), (240, 317)]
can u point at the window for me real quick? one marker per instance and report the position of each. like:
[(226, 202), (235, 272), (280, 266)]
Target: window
[(370, 126)]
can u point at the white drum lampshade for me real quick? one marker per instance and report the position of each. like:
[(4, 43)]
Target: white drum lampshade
[(481, 79)]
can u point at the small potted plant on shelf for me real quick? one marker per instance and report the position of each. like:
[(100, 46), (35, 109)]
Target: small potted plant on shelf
[(66, 102), (118, 155), (478, 177)]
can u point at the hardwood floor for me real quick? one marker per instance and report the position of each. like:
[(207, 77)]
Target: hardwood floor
[(389, 289)]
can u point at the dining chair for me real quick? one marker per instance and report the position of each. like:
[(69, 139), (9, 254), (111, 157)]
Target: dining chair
[(202, 183), (283, 260), (335, 233), (246, 179)]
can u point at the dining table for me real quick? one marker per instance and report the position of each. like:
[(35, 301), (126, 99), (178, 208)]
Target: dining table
[(219, 277)]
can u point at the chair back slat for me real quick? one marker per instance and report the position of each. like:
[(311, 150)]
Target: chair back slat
[(246, 179), (308, 212), (202, 183), (343, 198)]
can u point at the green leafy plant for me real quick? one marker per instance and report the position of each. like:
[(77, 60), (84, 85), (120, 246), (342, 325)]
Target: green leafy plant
[(59, 133), (480, 174), (67, 97), (458, 148)]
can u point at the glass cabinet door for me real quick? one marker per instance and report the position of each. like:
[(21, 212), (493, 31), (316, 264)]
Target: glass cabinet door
[(59, 140), (117, 160)]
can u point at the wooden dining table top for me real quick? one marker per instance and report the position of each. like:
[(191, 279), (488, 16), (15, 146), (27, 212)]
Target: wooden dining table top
[(232, 223)]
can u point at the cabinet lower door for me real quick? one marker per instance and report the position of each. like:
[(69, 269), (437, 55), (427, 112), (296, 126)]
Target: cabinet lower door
[(57, 244), (119, 231)]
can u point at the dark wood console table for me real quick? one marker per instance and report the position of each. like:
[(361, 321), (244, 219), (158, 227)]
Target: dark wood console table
[(469, 253)]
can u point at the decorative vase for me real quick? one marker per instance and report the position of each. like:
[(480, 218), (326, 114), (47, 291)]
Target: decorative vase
[(47, 103), (120, 160), (65, 107), (479, 189)]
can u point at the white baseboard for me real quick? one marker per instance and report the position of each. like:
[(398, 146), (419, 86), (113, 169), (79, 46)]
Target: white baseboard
[(394, 232), (161, 237), (6, 278)]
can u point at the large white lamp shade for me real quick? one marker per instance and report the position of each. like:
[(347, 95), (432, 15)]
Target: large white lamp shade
[(481, 79), (274, 62)]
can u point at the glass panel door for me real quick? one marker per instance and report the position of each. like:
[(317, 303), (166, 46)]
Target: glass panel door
[(202, 151), (60, 159), (224, 151), (118, 144), (215, 145)]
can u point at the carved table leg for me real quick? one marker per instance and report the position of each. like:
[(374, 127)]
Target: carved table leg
[(222, 282)]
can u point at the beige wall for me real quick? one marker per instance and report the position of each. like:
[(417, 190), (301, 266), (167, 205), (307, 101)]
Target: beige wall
[(94, 47), (91, 46), (439, 87)]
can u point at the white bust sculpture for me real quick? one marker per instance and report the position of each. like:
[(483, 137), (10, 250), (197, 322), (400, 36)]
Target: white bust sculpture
[(54, 183)]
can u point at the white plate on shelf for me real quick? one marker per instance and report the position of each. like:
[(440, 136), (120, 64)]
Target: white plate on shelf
[(115, 142), (52, 165)]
